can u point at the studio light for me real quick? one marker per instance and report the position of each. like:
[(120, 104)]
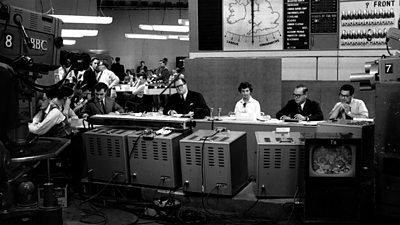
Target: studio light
[(165, 28), (84, 19), (147, 36), (69, 42), (78, 33)]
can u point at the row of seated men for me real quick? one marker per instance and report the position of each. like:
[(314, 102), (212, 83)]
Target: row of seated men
[(186, 102), (56, 112)]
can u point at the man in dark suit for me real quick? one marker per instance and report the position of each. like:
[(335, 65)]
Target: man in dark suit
[(90, 75), (186, 102), (300, 107), (101, 104), (118, 69)]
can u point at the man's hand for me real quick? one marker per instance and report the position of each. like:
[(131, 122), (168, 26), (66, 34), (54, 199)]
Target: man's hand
[(172, 112), (85, 115), (284, 117), (300, 117), (346, 107)]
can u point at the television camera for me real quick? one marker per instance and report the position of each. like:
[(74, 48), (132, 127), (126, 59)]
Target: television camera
[(383, 70), (383, 76), (30, 46)]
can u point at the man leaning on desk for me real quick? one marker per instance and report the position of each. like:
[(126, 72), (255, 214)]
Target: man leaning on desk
[(301, 108), (186, 102), (101, 104), (348, 107)]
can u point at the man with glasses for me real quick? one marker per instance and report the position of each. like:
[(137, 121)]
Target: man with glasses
[(301, 108), (348, 107), (186, 102)]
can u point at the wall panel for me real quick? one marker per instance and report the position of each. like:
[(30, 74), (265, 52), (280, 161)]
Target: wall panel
[(218, 79)]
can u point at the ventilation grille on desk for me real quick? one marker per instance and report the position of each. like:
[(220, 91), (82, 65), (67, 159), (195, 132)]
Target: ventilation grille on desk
[(113, 147), (215, 156), (192, 157), (157, 147), (273, 158)]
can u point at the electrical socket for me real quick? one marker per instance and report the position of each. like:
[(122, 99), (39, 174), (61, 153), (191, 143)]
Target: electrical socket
[(220, 129)]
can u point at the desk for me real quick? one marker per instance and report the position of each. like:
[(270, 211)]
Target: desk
[(250, 127), (147, 90)]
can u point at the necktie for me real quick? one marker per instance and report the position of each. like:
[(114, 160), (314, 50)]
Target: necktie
[(98, 78), (183, 98), (299, 109), (103, 106)]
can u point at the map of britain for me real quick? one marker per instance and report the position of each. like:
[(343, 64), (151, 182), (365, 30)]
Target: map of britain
[(263, 33)]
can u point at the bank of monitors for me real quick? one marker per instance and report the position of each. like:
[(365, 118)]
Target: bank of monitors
[(107, 155), (280, 164), (214, 163)]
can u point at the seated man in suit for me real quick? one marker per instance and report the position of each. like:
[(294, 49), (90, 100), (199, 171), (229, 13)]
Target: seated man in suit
[(186, 102), (348, 107), (101, 104), (301, 108)]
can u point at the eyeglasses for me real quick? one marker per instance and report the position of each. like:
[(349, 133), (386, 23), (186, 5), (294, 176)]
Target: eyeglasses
[(179, 86), (297, 95)]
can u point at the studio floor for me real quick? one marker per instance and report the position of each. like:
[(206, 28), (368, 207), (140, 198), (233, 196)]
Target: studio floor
[(117, 206)]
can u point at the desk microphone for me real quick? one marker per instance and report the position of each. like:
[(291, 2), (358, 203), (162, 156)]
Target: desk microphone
[(211, 118)]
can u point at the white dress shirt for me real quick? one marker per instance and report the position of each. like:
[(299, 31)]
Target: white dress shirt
[(53, 117), (251, 110), (108, 77)]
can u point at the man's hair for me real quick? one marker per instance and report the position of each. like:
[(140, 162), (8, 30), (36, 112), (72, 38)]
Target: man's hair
[(60, 93), (93, 58), (117, 59), (245, 85), (305, 89), (144, 75), (347, 87), (103, 62), (99, 86), (182, 79), (142, 62), (164, 60)]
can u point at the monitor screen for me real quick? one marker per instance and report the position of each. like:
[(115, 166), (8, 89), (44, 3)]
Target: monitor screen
[(332, 160)]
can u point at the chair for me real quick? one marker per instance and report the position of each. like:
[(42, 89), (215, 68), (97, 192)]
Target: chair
[(131, 106)]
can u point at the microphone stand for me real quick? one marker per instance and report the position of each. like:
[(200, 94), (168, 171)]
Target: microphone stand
[(169, 85)]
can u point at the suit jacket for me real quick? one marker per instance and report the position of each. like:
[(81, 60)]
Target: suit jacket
[(89, 78), (194, 102), (311, 109), (94, 107)]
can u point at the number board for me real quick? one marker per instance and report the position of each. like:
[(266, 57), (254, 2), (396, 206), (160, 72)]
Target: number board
[(8, 41), (388, 68)]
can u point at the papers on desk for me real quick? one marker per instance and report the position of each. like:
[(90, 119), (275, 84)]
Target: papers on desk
[(364, 119), (311, 123)]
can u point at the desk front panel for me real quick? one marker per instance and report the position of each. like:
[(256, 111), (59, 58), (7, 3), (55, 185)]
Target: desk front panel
[(250, 127)]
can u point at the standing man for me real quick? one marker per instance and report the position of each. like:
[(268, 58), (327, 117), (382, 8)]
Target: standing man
[(348, 107), (89, 76), (107, 76), (301, 108), (101, 104), (162, 72), (118, 68), (186, 102)]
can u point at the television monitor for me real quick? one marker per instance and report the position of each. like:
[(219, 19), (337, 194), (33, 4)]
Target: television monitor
[(332, 160), (332, 156)]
